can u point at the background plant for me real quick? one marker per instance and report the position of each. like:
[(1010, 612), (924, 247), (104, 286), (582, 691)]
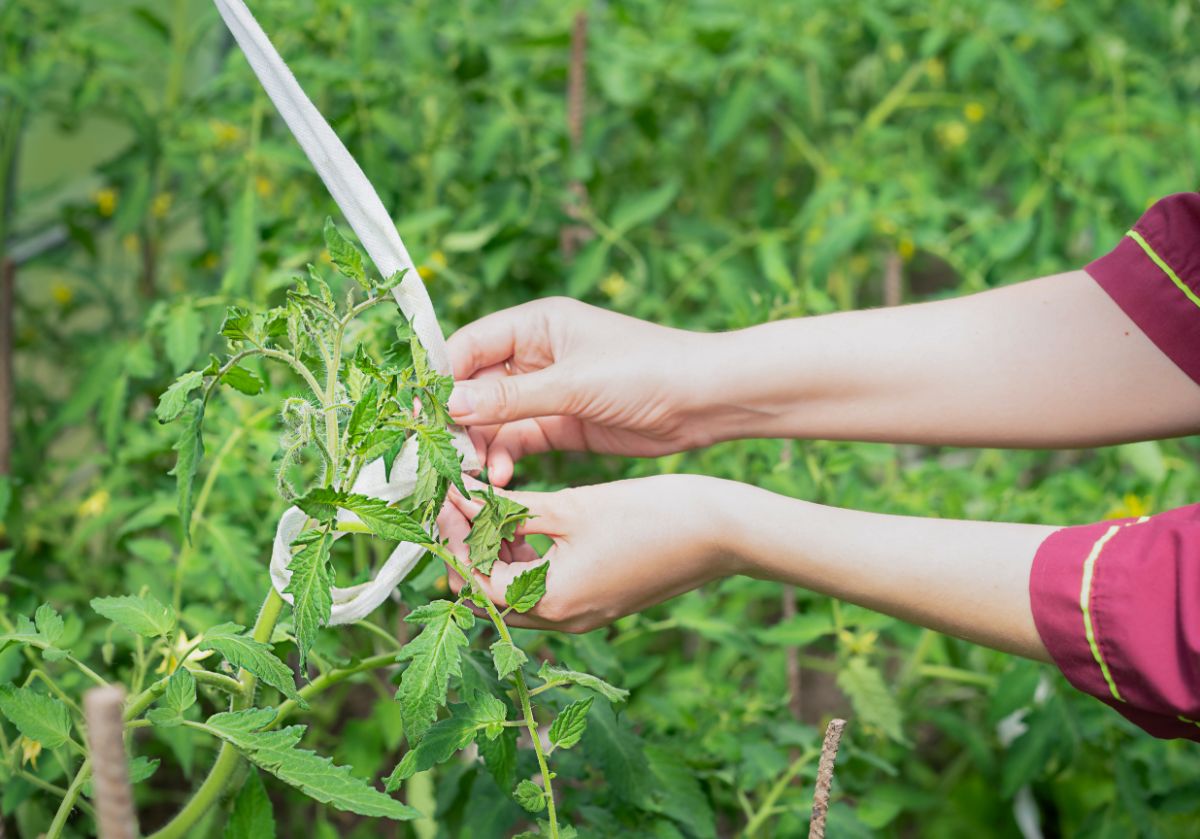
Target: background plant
[(740, 163)]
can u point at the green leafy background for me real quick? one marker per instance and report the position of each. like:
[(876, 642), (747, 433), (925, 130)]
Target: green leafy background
[(742, 161)]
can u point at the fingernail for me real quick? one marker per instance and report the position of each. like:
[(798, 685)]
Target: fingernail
[(460, 403)]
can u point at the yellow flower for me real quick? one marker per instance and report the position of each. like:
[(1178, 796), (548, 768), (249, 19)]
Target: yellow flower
[(62, 293), (859, 643), (614, 285), (906, 248), (106, 201), (161, 205), (952, 134), (263, 186), (1131, 507), (171, 662), (430, 269), (30, 749), (94, 504), (974, 112), (225, 133)]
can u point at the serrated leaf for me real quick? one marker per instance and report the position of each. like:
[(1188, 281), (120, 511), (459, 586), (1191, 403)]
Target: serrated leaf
[(312, 579), (181, 690), (36, 715), (241, 379), (237, 324), (560, 675), (507, 657), (873, 703), (496, 522), (570, 724), (436, 656), (530, 796), (175, 398), (316, 776), (344, 256), (437, 446), (190, 449), (253, 816), (619, 755), (244, 651), (437, 745), (391, 282), (500, 757), (140, 615), (382, 520), (362, 418), (49, 623), (524, 592)]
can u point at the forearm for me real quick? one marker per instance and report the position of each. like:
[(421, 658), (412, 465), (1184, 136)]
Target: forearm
[(967, 579), (1047, 363)]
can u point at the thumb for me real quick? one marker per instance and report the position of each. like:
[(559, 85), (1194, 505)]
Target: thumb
[(491, 401)]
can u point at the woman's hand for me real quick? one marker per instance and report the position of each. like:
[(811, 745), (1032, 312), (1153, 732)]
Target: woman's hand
[(618, 548), (558, 374)]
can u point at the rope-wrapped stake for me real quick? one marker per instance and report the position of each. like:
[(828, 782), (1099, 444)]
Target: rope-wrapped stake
[(103, 709)]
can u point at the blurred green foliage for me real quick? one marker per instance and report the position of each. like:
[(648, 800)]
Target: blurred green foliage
[(741, 162)]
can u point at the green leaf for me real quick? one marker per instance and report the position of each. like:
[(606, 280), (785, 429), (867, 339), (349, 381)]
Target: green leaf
[(238, 324), (678, 792), (140, 769), (344, 256), (436, 445), (49, 623), (253, 816), (619, 754), (244, 651), (507, 657), (241, 379), (36, 715), (190, 449), (530, 796), (560, 675), (384, 521), (500, 757), (873, 703), (181, 333), (175, 398), (140, 615), (179, 696), (524, 592), (362, 418), (640, 209), (570, 724), (6, 558), (496, 522), (437, 745), (436, 655), (315, 776), (242, 236), (312, 579)]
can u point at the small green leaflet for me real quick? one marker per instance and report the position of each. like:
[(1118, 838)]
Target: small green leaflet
[(344, 256), (496, 522), (140, 615), (312, 579), (175, 398), (384, 521), (316, 776), (507, 657), (874, 704), (140, 769), (36, 715), (44, 632), (254, 656), (561, 676), (500, 757), (524, 592), (49, 623), (252, 816), (530, 796), (569, 725), (179, 696), (436, 445), (445, 737), (241, 379), (190, 447), (238, 324), (436, 656), (362, 418)]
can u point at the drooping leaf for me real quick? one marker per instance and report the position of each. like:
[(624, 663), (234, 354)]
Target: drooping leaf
[(384, 521), (190, 449), (36, 715), (559, 675), (243, 650), (496, 522), (316, 776), (436, 745), (312, 579), (344, 256), (570, 724), (524, 592), (241, 379), (253, 816), (530, 796), (140, 615), (175, 398), (437, 446), (507, 657), (435, 656)]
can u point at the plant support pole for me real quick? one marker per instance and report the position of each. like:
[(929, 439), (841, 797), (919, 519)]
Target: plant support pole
[(103, 708), (8, 297), (829, 750)]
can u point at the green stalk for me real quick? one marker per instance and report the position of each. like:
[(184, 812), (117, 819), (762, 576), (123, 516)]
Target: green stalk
[(68, 802), (767, 808)]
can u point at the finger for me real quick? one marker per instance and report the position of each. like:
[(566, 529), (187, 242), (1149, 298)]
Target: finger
[(494, 338), (541, 393)]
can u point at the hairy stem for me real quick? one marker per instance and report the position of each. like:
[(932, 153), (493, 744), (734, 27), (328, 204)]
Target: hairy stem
[(68, 802)]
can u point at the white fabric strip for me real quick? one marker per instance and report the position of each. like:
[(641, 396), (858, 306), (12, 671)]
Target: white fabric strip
[(370, 220)]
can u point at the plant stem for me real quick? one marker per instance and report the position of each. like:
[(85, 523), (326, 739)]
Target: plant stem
[(766, 808), (68, 802), (328, 680)]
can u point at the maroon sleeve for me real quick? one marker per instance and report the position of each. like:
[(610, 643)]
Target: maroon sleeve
[(1117, 605), (1154, 276)]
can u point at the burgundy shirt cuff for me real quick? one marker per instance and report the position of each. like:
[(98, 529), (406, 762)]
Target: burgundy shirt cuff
[(1153, 274), (1117, 605)]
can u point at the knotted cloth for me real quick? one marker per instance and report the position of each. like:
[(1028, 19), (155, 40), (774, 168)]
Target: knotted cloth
[(371, 223)]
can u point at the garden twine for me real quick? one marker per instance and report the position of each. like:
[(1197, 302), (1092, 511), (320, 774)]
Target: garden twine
[(370, 221)]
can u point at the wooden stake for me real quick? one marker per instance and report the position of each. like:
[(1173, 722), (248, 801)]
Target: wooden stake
[(794, 675), (829, 750), (574, 235), (103, 708), (893, 280)]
